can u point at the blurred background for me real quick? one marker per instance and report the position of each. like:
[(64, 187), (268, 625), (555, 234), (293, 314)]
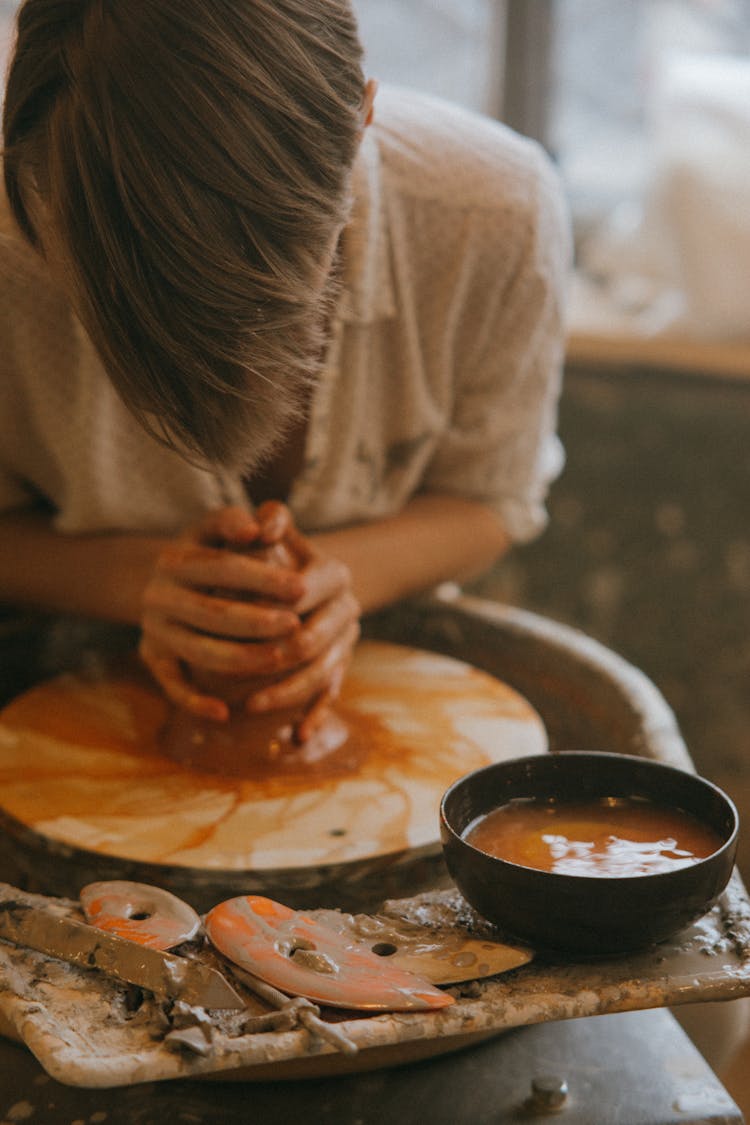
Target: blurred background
[(645, 107)]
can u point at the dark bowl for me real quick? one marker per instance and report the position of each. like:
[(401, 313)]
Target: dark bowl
[(575, 914)]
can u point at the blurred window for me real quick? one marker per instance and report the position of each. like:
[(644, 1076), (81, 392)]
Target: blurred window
[(577, 74), (7, 12), (645, 106)]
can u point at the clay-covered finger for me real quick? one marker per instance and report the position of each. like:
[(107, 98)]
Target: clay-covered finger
[(324, 577), (319, 710), (321, 628), (234, 525), (218, 613), (275, 521), (217, 654), (169, 675), (300, 687), (194, 565)]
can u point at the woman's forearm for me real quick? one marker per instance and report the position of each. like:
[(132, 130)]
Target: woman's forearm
[(100, 576), (434, 539)]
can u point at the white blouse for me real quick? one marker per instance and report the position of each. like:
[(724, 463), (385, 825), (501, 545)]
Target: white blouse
[(443, 372)]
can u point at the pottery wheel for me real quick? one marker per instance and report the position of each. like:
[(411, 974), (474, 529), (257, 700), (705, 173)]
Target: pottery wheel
[(81, 763)]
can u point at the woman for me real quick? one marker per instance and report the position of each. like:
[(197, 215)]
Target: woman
[(221, 287)]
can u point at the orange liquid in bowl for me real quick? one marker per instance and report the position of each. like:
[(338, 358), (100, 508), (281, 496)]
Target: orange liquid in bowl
[(609, 837)]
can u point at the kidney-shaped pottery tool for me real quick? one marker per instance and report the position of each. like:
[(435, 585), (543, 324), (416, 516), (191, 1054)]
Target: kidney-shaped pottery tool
[(441, 955), (300, 955), (353, 961), (140, 912)]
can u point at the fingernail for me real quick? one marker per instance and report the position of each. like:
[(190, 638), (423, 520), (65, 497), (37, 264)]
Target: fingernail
[(288, 621), (258, 702), (218, 712)]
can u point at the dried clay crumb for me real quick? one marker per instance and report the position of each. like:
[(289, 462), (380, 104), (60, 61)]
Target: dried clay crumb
[(21, 1111)]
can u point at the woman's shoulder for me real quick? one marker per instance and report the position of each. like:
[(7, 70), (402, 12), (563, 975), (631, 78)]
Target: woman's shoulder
[(431, 148)]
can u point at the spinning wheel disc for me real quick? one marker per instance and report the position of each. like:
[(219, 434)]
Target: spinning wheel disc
[(82, 764)]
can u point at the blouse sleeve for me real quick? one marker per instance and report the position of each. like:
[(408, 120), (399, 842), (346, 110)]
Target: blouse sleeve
[(501, 447)]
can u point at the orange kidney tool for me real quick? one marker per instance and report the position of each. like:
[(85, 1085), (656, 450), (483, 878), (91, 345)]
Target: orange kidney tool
[(139, 912), (301, 957)]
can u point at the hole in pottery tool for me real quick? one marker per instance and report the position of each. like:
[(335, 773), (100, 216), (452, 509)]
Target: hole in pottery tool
[(299, 943), (314, 960), (290, 946), (384, 948)]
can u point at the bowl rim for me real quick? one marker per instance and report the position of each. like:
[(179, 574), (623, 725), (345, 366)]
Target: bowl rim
[(537, 873)]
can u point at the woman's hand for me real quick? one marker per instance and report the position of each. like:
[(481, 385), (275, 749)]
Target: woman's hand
[(271, 610), (318, 653), (217, 610)]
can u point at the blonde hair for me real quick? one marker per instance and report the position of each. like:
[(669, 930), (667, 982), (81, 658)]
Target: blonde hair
[(193, 160)]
